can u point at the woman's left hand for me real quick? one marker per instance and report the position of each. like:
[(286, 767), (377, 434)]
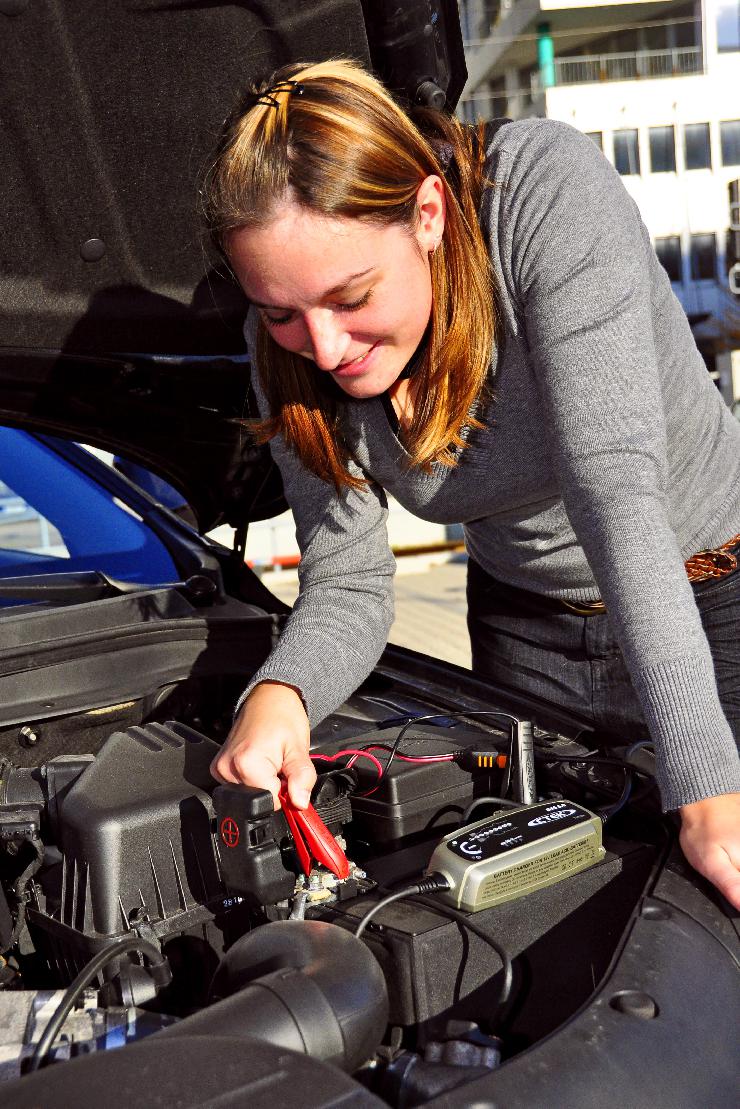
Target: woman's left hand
[(710, 839)]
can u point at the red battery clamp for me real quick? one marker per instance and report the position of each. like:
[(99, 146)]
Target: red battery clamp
[(312, 838)]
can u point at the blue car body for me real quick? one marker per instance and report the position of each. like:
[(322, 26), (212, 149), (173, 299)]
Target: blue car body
[(98, 530)]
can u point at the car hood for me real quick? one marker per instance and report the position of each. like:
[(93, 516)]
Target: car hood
[(181, 418), (109, 114), (117, 322)]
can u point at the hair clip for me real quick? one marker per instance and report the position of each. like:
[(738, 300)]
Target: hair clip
[(444, 152), (269, 96)]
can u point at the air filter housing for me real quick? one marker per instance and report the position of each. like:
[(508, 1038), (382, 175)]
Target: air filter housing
[(136, 845)]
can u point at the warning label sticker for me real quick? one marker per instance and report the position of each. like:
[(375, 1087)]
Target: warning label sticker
[(535, 873)]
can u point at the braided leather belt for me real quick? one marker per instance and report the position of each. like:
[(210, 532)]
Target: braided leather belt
[(702, 566), (713, 564)]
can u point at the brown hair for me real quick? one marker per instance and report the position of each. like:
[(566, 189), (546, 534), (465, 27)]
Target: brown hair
[(343, 147)]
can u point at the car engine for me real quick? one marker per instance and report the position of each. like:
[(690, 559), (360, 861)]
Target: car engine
[(144, 905)]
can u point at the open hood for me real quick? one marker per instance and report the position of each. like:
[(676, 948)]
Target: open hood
[(108, 114), (181, 418), (110, 111)]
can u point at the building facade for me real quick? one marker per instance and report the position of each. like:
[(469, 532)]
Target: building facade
[(657, 87)]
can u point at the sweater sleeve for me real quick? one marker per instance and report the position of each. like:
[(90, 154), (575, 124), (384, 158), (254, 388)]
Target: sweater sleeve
[(582, 266), (341, 619)]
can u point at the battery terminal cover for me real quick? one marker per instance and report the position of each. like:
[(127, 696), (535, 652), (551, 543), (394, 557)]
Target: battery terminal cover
[(515, 852)]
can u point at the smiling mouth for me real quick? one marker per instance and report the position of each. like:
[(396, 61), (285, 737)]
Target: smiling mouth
[(356, 363)]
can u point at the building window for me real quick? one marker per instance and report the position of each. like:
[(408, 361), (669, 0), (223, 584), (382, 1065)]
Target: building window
[(626, 152), (729, 135), (704, 257), (662, 149), (597, 137), (669, 256), (697, 149), (728, 25)]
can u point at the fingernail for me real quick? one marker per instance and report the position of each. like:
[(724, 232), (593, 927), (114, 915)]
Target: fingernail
[(302, 798)]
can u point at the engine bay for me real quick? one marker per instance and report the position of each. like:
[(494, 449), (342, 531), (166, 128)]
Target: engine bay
[(187, 898)]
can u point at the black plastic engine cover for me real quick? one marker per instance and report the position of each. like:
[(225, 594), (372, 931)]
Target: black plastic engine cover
[(136, 840)]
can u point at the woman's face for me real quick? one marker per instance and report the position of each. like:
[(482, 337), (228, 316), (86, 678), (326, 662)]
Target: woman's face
[(353, 297)]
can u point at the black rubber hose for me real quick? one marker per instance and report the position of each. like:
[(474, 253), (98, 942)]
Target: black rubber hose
[(305, 985)]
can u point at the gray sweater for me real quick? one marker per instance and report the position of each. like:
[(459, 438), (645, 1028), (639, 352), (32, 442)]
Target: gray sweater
[(608, 458)]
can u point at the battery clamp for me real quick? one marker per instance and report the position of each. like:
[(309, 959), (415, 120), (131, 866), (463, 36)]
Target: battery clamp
[(515, 852)]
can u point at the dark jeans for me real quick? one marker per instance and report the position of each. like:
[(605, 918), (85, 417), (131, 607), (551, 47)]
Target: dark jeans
[(523, 641)]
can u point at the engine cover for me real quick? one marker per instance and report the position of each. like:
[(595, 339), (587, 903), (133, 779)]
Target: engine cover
[(136, 845)]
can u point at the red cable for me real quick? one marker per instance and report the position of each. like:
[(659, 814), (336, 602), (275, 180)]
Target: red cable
[(356, 752), (365, 752), (446, 757)]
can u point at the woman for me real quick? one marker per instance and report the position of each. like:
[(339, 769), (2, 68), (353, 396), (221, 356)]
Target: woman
[(483, 330)]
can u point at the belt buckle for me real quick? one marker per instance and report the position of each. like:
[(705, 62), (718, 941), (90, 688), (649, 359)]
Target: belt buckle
[(585, 608)]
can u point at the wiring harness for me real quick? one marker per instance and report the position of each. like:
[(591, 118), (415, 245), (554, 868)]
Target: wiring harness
[(480, 757)]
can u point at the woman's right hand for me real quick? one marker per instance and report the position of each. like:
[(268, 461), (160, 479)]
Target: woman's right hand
[(270, 740)]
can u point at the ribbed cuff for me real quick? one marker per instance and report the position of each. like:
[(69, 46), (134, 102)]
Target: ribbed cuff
[(696, 753), (265, 674)]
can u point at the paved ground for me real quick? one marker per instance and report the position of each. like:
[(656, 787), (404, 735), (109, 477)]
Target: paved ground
[(430, 606)]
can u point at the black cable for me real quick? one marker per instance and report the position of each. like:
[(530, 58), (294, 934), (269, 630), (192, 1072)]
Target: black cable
[(611, 810), (430, 884), (19, 889), (462, 715), (157, 963), (587, 760), (597, 760), (435, 883), (465, 921), (607, 760), (501, 802)]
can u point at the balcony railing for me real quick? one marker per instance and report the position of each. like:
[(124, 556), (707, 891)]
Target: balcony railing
[(642, 64)]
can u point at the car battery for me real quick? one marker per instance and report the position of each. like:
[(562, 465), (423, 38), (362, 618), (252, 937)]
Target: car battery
[(435, 968)]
